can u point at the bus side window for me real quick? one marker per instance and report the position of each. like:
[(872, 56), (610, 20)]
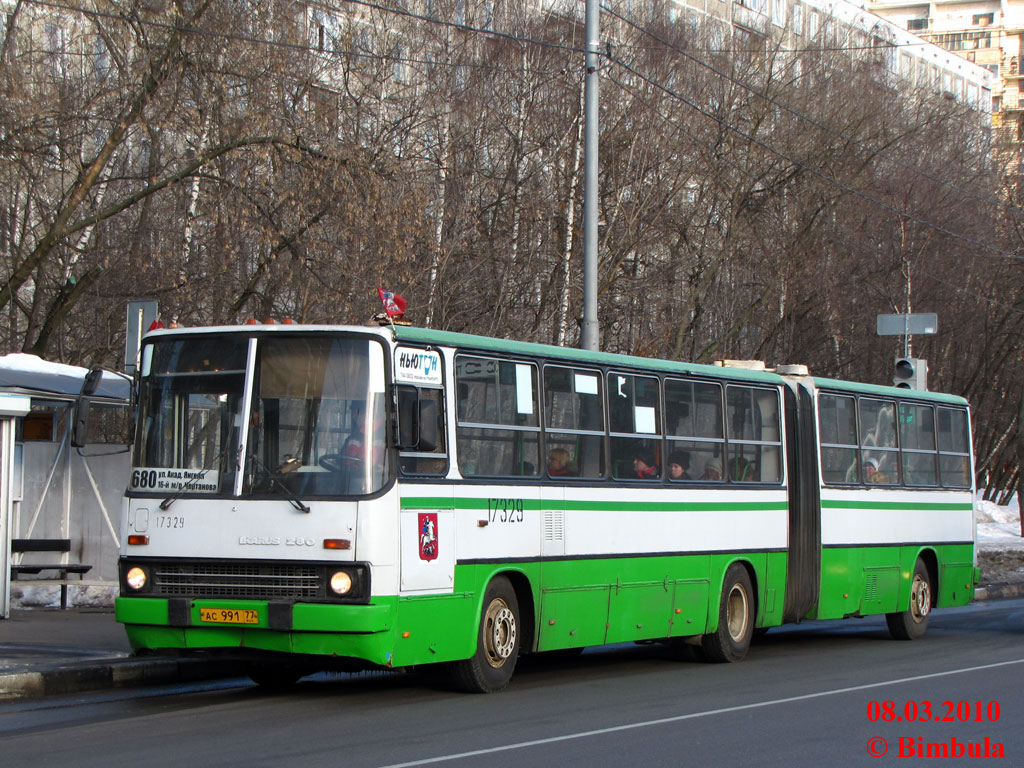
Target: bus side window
[(917, 443), (837, 427), (498, 418), (954, 448), (634, 412), (574, 420), (421, 439), (879, 453), (754, 435), (694, 429)]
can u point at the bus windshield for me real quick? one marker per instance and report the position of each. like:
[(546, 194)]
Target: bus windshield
[(316, 424)]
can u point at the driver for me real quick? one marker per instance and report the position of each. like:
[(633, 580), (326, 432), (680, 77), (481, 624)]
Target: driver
[(355, 445), (355, 442)]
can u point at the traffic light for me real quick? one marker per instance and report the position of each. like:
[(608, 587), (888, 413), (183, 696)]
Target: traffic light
[(910, 373)]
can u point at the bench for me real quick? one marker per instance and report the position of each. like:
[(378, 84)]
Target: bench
[(62, 569)]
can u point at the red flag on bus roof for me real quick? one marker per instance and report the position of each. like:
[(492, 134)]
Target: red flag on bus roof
[(394, 305)]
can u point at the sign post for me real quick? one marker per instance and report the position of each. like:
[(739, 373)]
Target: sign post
[(908, 372), (141, 315), (925, 324)]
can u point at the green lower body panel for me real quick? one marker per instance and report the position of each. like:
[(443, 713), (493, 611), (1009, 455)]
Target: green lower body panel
[(562, 604), (863, 581), (361, 632), (593, 602)]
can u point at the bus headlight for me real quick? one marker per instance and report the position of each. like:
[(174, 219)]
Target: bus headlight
[(341, 582), (135, 578)]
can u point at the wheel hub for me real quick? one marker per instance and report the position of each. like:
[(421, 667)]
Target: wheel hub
[(499, 633)]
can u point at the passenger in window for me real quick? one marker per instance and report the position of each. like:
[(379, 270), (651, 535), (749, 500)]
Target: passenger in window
[(742, 469), (679, 465), (559, 463), (645, 465), (712, 470), (874, 475)]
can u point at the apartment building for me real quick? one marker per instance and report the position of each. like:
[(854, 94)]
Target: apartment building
[(902, 55), (985, 32)]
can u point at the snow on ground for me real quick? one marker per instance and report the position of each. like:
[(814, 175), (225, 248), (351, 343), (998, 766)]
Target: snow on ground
[(998, 527)]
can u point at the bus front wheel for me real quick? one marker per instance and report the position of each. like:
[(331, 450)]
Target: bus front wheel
[(491, 667), (735, 618), (911, 623)]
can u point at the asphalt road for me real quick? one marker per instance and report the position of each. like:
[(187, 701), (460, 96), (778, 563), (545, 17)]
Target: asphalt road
[(818, 694)]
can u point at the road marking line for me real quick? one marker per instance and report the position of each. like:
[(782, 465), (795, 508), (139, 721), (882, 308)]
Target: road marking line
[(694, 715)]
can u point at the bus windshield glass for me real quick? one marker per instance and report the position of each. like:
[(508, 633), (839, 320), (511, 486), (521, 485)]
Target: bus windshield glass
[(189, 415), (315, 428), (318, 418)]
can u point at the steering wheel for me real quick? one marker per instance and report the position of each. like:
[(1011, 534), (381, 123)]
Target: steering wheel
[(336, 462)]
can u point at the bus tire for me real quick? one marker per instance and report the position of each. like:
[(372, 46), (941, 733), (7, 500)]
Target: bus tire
[(497, 646), (911, 623), (735, 618)]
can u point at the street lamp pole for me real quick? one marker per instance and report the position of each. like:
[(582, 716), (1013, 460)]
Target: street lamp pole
[(591, 338)]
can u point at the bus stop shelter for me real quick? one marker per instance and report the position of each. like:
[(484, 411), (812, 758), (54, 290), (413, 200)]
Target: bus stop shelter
[(50, 490)]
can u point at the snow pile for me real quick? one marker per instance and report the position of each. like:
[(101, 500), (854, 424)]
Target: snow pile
[(19, 361), (47, 596), (998, 527)]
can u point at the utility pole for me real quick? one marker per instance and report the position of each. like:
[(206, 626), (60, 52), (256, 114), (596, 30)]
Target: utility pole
[(590, 338)]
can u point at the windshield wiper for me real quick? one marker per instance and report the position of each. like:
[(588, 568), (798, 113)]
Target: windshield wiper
[(293, 498)]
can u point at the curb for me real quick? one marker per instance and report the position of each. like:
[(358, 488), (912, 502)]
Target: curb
[(999, 592), (115, 673)]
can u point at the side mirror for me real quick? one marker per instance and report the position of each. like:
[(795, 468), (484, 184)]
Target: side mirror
[(92, 381), (408, 429), (428, 426), (80, 426)]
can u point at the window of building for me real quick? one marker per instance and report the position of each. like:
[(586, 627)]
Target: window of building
[(12, 35), (39, 424), (399, 64), (798, 19), (982, 19), (907, 67), (778, 12), (917, 25), (812, 24)]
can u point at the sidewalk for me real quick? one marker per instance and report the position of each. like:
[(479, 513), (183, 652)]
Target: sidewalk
[(46, 652)]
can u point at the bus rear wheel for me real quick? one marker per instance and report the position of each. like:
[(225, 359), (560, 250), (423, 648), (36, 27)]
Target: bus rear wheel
[(735, 618), (497, 648), (911, 623)]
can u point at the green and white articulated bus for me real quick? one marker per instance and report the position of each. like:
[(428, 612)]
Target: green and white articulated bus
[(324, 497)]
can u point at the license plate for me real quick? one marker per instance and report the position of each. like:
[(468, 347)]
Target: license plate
[(229, 615)]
